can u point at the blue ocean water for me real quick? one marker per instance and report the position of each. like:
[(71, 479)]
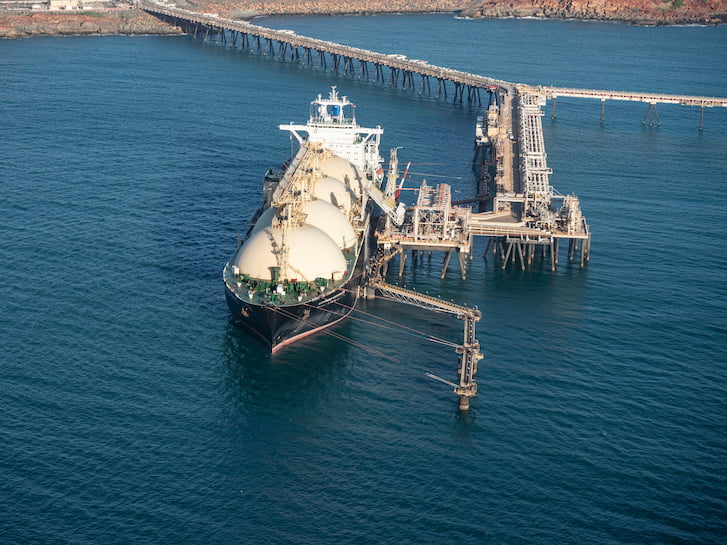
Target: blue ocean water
[(134, 412)]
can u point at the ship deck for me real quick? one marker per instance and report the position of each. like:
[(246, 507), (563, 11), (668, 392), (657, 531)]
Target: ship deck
[(287, 292)]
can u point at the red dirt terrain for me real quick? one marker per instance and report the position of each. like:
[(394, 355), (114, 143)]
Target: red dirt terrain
[(131, 21)]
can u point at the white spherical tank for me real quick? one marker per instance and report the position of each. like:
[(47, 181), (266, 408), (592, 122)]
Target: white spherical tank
[(335, 192), (265, 219), (331, 221), (311, 254), (339, 168)]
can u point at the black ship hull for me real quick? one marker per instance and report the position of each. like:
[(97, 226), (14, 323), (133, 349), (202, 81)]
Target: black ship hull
[(281, 325)]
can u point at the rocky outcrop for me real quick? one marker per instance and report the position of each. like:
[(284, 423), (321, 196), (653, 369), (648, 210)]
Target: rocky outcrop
[(640, 12), (240, 9), (82, 23), (130, 21), (662, 12)]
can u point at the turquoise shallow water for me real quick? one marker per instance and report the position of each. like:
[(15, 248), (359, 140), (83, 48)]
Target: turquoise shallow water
[(134, 412)]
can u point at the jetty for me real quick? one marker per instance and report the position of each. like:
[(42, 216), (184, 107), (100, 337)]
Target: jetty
[(392, 69), (520, 213), (347, 60)]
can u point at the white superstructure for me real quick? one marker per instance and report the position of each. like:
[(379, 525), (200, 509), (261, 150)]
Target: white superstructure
[(332, 124)]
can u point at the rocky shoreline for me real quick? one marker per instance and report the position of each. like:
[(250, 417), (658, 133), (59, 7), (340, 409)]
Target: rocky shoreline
[(15, 24), (635, 12), (639, 12), (80, 23)]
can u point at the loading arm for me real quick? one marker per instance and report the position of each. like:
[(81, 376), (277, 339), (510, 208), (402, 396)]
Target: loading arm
[(470, 349)]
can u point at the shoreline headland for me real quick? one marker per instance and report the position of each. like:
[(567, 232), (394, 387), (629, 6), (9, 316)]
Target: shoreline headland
[(82, 23), (131, 21), (634, 12)]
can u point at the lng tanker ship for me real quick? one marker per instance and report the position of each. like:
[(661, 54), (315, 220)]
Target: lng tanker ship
[(299, 267)]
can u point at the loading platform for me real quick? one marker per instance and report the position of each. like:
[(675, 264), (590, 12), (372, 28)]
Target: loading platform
[(521, 214)]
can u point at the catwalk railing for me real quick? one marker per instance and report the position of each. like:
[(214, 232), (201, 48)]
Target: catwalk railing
[(294, 41), (463, 81), (649, 98)]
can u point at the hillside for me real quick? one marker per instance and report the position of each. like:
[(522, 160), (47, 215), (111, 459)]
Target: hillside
[(72, 23), (658, 12), (15, 24), (641, 12)]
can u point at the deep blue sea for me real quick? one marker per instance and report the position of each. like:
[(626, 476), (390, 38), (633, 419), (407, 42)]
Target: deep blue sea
[(133, 411)]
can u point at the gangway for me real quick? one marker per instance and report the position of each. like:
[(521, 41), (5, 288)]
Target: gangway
[(387, 204), (386, 200)]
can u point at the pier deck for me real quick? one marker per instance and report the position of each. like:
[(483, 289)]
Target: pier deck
[(299, 48), (649, 98)]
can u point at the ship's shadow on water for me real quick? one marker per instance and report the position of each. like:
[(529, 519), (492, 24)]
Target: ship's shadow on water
[(294, 376)]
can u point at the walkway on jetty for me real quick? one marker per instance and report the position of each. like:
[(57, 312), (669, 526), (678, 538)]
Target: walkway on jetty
[(292, 46), (650, 98)]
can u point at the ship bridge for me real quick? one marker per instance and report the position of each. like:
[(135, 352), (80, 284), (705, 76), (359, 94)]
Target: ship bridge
[(329, 126)]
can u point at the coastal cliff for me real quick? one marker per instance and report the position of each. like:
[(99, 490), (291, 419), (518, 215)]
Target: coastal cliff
[(638, 12), (324, 7)]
